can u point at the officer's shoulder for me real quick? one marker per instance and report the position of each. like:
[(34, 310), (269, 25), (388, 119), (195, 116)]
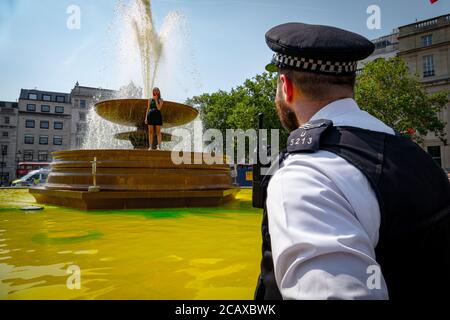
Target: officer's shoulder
[(307, 138)]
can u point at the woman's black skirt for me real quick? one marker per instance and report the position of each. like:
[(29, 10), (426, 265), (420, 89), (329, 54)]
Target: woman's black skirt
[(154, 118)]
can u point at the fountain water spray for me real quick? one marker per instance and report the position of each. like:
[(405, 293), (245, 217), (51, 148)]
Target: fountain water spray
[(142, 49), (148, 42), (145, 57)]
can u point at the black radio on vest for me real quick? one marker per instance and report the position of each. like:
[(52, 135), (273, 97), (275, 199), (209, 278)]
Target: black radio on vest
[(413, 193)]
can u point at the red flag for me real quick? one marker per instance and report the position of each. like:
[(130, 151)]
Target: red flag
[(433, 1)]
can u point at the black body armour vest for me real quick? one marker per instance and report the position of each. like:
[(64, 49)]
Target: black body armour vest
[(413, 193)]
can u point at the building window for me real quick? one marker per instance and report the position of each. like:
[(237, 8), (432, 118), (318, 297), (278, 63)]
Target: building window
[(28, 155), (6, 120), (45, 125), (32, 96), (57, 140), (31, 107), (3, 164), (60, 99), (29, 124), (81, 127), (29, 139), (82, 116), (43, 140), (4, 150), (43, 156), (46, 97), (5, 134), (58, 125), (435, 153), (428, 66), (83, 104), (382, 44), (427, 40), (59, 109), (45, 108), (76, 103)]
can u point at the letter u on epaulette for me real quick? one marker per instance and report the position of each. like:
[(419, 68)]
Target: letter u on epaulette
[(307, 137)]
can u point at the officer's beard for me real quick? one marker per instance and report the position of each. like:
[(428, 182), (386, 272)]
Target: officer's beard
[(286, 115)]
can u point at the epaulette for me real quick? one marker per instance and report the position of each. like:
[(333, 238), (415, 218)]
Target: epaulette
[(307, 137)]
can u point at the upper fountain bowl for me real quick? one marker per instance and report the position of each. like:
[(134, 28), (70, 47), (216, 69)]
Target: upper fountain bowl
[(131, 112)]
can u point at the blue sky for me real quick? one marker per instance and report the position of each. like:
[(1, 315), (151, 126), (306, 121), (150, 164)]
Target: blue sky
[(226, 39)]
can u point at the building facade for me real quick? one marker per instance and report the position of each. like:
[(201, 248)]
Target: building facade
[(9, 114), (83, 100), (425, 46), (44, 124), (386, 47)]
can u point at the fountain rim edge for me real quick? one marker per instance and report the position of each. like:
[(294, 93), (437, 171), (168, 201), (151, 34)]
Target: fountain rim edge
[(142, 100)]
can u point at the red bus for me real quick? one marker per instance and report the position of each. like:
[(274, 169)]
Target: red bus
[(24, 168)]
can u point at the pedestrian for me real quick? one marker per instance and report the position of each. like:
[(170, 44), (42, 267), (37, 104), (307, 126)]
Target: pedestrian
[(153, 118)]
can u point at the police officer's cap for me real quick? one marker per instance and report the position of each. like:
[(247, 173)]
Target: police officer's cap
[(316, 48)]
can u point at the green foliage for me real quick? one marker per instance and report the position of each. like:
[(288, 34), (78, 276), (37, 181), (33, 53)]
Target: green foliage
[(239, 108), (387, 90)]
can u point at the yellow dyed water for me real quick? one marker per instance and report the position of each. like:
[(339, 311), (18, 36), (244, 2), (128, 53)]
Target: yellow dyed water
[(195, 253)]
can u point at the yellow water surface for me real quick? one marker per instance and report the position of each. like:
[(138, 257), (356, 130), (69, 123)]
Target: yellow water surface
[(195, 253)]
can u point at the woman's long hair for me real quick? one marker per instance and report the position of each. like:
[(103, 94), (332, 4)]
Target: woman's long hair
[(159, 92)]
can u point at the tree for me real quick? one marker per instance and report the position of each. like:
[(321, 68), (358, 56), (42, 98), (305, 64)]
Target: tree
[(388, 91), (239, 108), (385, 89), (130, 91)]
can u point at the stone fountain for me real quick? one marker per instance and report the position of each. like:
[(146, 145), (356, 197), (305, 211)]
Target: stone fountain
[(129, 179), (131, 112), (139, 178)]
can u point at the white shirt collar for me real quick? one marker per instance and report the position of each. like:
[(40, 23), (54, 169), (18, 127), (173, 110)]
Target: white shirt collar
[(336, 108)]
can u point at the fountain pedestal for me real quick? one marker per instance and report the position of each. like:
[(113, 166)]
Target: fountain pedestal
[(133, 179)]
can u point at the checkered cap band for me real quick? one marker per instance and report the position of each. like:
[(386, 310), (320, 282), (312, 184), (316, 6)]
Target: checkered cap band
[(321, 66)]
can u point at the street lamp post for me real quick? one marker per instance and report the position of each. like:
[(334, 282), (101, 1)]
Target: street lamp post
[(18, 155), (2, 165)]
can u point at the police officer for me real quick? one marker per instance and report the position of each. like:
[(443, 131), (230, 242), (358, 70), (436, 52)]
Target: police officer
[(354, 210)]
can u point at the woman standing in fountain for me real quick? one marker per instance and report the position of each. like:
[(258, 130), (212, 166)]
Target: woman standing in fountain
[(154, 118)]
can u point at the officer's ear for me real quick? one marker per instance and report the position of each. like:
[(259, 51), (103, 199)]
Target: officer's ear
[(287, 87)]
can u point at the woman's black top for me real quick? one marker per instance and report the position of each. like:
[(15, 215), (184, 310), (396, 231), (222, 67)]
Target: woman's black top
[(154, 117)]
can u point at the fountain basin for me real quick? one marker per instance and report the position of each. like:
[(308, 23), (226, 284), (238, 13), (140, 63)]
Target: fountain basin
[(140, 254), (133, 179), (131, 112)]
